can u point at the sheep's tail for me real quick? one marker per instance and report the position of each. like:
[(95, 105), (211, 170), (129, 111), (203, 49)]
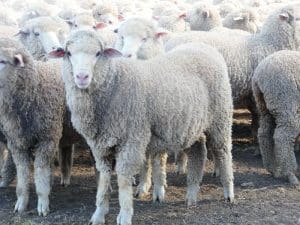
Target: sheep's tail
[(259, 99)]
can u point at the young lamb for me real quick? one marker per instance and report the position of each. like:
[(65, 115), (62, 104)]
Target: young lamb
[(125, 108), (245, 19), (276, 88), (42, 35), (203, 17), (31, 117), (243, 53)]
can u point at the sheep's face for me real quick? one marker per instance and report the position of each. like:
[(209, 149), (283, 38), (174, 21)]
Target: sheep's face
[(10, 60), (41, 34)]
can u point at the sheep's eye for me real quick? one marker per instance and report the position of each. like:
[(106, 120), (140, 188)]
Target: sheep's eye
[(144, 39), (2, 62), (99, 14), (98, 54), (36, 33), (69, 54), (75, 25)]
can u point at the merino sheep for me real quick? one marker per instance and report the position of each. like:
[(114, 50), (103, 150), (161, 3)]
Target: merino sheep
[(106, 12), (31, 118), (42, 35), (124, 108), (139, 38), (243, 53), (246, 19), (203, 17), (276, 88)]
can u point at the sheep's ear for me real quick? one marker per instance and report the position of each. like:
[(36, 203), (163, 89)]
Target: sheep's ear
[(205, 14), (121, 17), (100, 25), (155, 17), (111, 53), (160, 34), (22, 32), (19, 60), (182, 16), (284, 16), (58, 53)]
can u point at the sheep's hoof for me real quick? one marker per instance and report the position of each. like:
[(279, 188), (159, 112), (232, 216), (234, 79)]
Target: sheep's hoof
[(158, 194), (98, 218), (124, 218), (230, 199), (142, 191), (43, 206), (21, 205), (293, 179)]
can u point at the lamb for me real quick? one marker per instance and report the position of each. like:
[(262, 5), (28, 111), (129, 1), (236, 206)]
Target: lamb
[(276, 88), (245, 19), (203, 17), (43, 34), (146, 105), (243, 53), (31, 118), (139, 38)]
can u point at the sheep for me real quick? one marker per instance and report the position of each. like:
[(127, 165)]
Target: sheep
[(245, 19), (6, 18), (139, 38), (8, 31), (123, 108), (203, 17), (31, 117), (106, 12), (175, 22), (82, 21), (41, 35), (243, 53), (276, 88)]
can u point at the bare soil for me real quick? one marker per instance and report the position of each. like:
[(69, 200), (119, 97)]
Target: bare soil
[(268, 201)]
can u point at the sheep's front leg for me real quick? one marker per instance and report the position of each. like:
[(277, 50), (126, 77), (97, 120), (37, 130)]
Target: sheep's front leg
[(8, 170), (66, 162), (159, 176), (42, 174), (144, 178), (22, 160), (197, 156), (102, 202)]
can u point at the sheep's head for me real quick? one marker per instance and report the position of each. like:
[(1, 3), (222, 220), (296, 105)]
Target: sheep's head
[(135, 36), (82, 51), (106, 12), (42, 31), (12, 56)]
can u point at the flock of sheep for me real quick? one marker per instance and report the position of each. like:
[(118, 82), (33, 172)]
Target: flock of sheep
[(137, 80)]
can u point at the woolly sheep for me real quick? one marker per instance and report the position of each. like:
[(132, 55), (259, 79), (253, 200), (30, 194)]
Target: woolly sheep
[(174, 22), (8, 31), (243, 53), (203, 17), (276, 88), (41, 35), (139, 38), (245, 19), (30, 117), (128, 116), (6, 17), (106, 12)]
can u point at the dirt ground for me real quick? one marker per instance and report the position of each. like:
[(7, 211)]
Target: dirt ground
[(268, 201)]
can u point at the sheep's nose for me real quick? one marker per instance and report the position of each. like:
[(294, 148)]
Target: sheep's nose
[(82, 76), (110, 22), (60, 49)]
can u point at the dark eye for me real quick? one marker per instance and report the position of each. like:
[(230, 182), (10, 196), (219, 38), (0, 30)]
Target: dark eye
[(98, 54), (36, 33), (144, 39), (75, 25), (2, 61), (99, 14), (69, 54)]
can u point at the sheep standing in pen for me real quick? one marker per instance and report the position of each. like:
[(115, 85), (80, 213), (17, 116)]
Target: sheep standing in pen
[(243, 53), (31, 118), (276, 88), (125, 108)]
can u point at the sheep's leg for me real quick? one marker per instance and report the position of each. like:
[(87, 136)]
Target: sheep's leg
[(144, 178), (22, 161), (125, 200), (223, 157), (102, 202), (159, 176), (66, 162), (8, 171), (284, 142), (197, 156), (216, 172), (181, 162), (265, 139), (42, 174)]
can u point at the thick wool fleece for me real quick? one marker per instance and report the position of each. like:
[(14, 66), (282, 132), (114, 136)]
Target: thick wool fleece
[(276, 88)]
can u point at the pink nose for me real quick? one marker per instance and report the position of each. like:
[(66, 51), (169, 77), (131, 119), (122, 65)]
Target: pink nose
[(82, 76)]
